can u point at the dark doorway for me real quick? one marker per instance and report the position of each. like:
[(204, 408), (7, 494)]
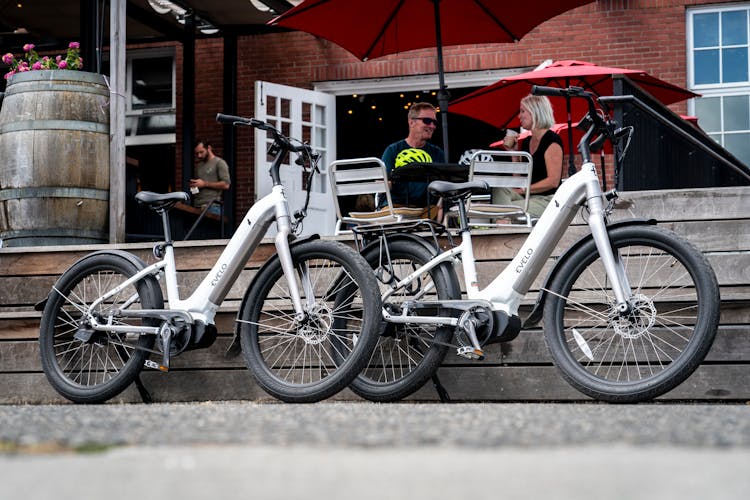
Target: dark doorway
[(367, 124), (149, 168)]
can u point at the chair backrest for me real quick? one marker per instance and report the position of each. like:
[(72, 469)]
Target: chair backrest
[(503, 169), (359, 176)]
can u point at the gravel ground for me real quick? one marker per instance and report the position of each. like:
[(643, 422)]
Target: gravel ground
[(366, 451)]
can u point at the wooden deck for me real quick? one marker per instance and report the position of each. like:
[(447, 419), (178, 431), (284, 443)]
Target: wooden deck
[(715, 220)]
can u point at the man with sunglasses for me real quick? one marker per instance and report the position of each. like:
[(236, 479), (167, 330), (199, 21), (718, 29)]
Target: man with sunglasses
[(422, 120)]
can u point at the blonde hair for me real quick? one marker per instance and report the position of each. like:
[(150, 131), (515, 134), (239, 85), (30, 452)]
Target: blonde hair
[(540, 110)]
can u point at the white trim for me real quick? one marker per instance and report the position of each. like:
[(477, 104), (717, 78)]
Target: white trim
[(149, 139), (416, 82)]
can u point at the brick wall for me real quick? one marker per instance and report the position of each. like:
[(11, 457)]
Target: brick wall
[(643, 34)]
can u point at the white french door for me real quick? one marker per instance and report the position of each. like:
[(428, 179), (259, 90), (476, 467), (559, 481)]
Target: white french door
[(311, 117)]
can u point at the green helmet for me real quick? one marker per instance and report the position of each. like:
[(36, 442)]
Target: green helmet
[(412, 155)]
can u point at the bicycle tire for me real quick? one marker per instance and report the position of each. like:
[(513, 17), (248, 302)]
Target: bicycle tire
[(404, 357), (313, 359), (101, 367), (651, 350)]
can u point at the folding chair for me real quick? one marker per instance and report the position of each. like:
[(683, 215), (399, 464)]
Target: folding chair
[(501, 169), (364, 176)]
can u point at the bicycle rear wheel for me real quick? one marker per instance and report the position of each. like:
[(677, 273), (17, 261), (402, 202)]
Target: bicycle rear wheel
[(88, 366), (655, 346), (406, 355), (307, 359)]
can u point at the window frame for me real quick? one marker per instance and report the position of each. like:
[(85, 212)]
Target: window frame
[(719, 90), (132, 138)]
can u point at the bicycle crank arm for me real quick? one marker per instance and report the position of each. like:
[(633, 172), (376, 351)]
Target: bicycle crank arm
[(463, 351)]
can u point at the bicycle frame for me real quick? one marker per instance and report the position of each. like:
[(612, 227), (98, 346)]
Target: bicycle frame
[(507, 290), (203, 303)]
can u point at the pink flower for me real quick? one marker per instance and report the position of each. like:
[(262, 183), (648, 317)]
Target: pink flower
[(74, 45), (62, 64), (58, 58), (9, 74), (28, 47), (37, 65), (8, 58)]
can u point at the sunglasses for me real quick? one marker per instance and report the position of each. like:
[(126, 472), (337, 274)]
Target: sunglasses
[(427, 121)]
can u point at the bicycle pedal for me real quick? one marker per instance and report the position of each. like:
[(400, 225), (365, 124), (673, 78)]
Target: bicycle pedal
[(155, 366), (471, 353)]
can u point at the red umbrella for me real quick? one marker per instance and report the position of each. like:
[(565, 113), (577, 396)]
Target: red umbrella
[(497, 104), (370, 29)]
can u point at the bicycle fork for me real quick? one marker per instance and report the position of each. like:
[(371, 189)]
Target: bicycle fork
[(609, 256)]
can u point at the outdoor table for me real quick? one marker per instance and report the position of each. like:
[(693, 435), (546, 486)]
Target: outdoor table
[(427, 172)]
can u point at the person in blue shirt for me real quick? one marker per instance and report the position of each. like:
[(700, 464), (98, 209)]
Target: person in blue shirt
[(422, 120)]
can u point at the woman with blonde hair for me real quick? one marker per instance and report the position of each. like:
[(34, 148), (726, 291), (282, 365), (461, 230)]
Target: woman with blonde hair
[(546, 148)]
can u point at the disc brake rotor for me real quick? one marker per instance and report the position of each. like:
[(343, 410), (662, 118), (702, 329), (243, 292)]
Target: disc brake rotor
[(638, 321)]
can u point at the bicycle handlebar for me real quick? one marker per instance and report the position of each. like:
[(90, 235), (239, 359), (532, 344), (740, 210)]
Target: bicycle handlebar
[(599, 125), (280, 138)]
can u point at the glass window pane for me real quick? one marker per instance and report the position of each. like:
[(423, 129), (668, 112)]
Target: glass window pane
[(320, 115), (734, 27), (734, 65), (739, 146), (736, 112), (152, 83), (156, 124), (706, 30), (706, 63), (708, 111)]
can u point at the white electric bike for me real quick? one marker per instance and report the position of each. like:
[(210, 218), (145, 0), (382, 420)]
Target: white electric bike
[(307, 323), (630, 310)]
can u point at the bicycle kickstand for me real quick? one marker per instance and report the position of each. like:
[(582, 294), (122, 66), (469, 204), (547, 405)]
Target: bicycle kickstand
[(440, 388)]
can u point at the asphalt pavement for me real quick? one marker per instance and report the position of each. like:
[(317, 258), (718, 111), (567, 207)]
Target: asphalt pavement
[(360, 450)]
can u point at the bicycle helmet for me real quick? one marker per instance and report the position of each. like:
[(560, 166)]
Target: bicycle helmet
[(412, 155)]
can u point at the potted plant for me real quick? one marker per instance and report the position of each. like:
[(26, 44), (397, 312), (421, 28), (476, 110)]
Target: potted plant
[(54, 151)]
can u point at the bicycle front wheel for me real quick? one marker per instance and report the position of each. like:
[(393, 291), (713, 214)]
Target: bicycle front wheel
[(649, 350), (82, 364), (312, 357)]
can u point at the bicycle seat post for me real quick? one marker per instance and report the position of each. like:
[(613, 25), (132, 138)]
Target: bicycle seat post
[(165, 224), (463, 218)]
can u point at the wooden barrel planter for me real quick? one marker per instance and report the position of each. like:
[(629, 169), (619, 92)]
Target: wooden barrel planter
[(54, 159)]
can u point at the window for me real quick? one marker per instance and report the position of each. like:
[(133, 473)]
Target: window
[(149, 97), (719, 70)]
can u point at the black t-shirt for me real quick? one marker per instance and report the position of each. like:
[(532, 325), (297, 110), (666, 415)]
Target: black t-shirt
[(540, 166)]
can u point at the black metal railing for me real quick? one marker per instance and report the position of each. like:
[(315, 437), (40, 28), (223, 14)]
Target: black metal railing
[(668, 152)]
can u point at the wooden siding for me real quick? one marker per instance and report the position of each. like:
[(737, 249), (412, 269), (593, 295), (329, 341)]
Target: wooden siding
[(715, 220)]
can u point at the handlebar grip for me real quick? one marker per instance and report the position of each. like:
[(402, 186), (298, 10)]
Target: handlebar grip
[(550, 91), (231, 120)]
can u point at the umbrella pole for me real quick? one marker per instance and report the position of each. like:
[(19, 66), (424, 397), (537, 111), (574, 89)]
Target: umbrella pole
[(571, 160), (443, 94)]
